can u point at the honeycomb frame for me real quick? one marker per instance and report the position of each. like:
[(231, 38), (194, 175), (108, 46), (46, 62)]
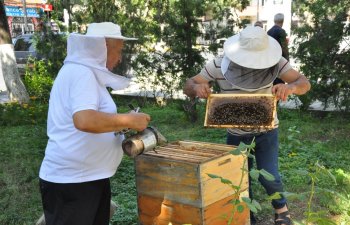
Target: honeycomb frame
[(265, 102)]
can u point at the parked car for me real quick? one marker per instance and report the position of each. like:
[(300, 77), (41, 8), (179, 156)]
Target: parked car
[(14, 41), (25, 48)]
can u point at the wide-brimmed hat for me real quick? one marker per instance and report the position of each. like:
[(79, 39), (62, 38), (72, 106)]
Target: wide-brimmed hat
[(107, 30), (94, 57), (253, 48)]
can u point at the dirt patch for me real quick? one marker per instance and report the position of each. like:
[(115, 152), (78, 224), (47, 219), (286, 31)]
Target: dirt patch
[(296, 209)]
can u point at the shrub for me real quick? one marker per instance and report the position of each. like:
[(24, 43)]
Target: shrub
[(38, 80), (14, 114), (40, 74)]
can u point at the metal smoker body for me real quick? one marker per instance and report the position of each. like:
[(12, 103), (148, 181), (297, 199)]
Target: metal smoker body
[(143, 141)]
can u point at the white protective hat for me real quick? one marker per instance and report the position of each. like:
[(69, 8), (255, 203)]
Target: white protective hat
[(252, 48), (107, 30)]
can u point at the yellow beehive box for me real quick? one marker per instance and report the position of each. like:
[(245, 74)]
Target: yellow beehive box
[(173, 186)]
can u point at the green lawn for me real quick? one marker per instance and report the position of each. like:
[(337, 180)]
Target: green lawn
[(306, 138)]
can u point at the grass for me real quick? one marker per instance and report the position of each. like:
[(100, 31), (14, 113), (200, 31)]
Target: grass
[(22, 149), (305, 138)]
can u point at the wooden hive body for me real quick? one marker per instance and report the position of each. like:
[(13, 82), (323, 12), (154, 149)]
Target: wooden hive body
[(173, 186)]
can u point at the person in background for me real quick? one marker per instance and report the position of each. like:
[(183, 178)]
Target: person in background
[(251, 62), (280, 35), (259, 24), (84, 146)]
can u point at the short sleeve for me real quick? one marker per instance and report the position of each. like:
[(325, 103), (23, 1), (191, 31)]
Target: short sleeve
[(283, 66), (83, 91), (212, 70)]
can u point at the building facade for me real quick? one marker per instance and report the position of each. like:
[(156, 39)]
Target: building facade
[(265, 10), (24, 16), (258, 10)]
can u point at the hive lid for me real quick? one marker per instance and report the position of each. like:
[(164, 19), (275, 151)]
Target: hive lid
[(252, 111)]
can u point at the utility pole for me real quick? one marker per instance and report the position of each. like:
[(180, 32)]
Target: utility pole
[(25, 16), (257, 10)]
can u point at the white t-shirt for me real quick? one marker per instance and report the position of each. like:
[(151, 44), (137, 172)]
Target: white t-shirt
[(71, 155)]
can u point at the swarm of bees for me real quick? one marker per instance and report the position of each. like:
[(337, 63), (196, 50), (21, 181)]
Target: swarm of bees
[(256, 112)]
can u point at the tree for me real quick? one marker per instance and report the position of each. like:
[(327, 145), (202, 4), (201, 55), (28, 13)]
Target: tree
[(167, 52), (8, 66), (182, 28), (323, 50), (175, 23)]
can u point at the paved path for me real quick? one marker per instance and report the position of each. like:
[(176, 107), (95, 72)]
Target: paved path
[(316, 105), (4, 97), (3, 90)]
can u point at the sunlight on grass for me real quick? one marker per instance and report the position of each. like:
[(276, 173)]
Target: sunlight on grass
[(304, 138)]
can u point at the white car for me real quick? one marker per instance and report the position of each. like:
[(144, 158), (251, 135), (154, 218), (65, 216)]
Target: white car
[(24, 48), (14, 41)]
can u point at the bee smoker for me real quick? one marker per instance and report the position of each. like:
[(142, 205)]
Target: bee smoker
[(143, 141)]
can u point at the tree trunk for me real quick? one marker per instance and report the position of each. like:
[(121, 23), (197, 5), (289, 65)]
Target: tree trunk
[(8, 67)]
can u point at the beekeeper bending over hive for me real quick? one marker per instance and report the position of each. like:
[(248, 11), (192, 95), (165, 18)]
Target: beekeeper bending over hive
[(251, 62)]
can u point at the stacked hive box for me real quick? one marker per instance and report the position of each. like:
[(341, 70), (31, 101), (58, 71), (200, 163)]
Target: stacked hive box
[(173, 186)]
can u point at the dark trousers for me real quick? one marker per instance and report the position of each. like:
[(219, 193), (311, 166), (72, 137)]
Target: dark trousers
[(266, 156), (85, 203)]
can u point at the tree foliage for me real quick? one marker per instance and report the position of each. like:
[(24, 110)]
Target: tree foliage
[(181, 23), (167, 52), (40, 73), (323, 50)]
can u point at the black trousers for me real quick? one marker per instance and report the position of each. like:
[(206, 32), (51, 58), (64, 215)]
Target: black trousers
[(85, 203)]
